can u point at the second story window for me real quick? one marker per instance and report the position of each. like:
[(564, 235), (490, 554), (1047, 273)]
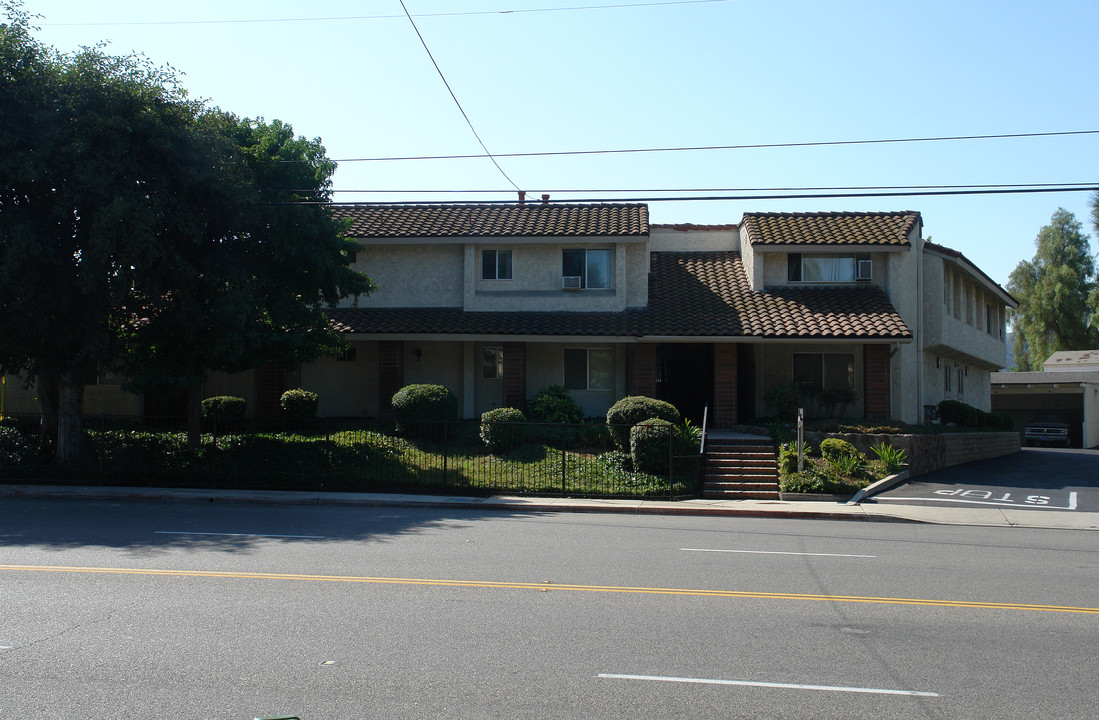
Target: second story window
[(591, 267), (820, 268), (496, 264)]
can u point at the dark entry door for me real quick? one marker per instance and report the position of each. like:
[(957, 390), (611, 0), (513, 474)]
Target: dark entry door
[(687, 377)]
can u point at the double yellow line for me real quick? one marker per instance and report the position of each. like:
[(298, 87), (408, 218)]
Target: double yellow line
[(546, 586)]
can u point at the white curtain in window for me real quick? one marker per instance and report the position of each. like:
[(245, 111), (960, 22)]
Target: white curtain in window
[(817, 268)]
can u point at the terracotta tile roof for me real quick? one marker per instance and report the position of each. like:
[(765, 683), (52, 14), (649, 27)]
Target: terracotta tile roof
[(703, 294), (829, 228), (494, 220)]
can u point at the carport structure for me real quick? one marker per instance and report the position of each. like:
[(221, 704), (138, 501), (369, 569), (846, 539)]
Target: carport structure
[(1067, 390)]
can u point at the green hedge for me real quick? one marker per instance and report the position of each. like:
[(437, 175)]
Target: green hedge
[(224, 406), (299, 403), (633, 409), (501, 431), (554, 404), (650, 445), (418, 409)]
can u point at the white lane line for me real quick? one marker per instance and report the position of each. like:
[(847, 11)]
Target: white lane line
[(1022, 506), (258, 535), (784, 686), (775, 552)]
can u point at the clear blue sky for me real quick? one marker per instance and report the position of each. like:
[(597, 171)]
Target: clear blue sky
[(541, 78)]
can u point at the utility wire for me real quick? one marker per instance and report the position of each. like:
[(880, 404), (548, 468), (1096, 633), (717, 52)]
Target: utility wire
[(1084, 186), (760, 146), (774, 196), (455, 98), (386, 17)]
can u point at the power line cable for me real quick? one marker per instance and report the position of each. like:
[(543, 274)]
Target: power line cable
[(455, 98), (774, 196), (759, 146), (1084, 186), (384, 17)]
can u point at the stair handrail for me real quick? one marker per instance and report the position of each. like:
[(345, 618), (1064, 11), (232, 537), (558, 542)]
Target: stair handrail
[(705, 430)]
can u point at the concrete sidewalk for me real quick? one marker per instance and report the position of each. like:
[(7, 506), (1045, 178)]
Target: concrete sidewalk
[(801, 509)]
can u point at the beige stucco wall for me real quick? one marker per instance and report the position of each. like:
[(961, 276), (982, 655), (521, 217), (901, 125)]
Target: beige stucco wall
[(775, 266), (536, 279), (102, 399), (345, 388), (411, 275), (956, 316), (701, 239), (901, 287)]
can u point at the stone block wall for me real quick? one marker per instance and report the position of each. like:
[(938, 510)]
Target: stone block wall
[(928, 453)]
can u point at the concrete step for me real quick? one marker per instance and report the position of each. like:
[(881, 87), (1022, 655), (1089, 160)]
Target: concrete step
[(740, 495)]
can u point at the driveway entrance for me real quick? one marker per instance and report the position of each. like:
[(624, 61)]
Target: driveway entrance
[(1042, 478)]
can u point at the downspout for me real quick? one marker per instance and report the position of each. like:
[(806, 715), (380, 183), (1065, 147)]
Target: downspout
[(919, 330)]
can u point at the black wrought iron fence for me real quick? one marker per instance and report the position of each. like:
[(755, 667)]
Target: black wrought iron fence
[(352, 455)]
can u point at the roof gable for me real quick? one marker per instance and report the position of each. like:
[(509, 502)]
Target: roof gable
[(494, 220), (830, 228)]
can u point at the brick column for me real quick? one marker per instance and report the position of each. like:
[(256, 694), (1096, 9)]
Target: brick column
[(515, 376), (725, 397), (875, 381), (641, 364), (390, 374)]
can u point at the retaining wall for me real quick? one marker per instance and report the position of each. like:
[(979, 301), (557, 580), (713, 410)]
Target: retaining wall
[(928, 453)]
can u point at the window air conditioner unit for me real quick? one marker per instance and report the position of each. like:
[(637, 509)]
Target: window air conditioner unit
[(570, 282), (865, 270)]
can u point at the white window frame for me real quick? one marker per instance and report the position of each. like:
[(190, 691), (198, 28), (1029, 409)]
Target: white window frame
[(585, 282), (496, 254), (800, 258), (497, 366), (823, 377), (588, 385)]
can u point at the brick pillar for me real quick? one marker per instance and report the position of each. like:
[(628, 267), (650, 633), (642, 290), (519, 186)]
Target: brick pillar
[(875, 381), (390, 374), (641, 370), (515, 376), (723, 411)]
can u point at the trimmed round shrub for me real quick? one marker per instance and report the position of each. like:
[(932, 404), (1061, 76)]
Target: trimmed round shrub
[(1001, 421), (554, 404), (224, 406), (835, 450), (649, 445), (419, 409), (631, 410), (501, 429), (299, 403)]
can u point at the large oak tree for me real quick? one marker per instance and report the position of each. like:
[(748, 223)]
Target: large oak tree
[(142, 231)]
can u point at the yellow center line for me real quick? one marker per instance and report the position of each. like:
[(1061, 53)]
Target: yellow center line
[(555, 586)]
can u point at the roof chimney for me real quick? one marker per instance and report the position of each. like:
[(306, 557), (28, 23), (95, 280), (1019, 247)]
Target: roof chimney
[(545, 198), (522, 197)]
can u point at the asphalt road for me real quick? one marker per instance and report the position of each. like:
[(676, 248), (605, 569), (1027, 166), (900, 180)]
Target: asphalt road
[(1037, 478), (141, 610)]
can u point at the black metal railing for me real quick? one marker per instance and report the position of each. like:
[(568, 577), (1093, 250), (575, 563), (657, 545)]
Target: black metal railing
[(355, 455)]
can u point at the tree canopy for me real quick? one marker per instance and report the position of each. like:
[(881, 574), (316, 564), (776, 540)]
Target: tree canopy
[(1054, 290), (144, 232)]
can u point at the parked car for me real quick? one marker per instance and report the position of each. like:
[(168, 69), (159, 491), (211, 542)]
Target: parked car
[(1045, 432)]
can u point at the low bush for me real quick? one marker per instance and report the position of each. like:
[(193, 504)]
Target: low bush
[(554, 404), (501, 431), (835, 450), (14, 449), (299, 403), (224, 406), (1001, 421), (650, 443), (955, 412), (419, 408), (631, 410)]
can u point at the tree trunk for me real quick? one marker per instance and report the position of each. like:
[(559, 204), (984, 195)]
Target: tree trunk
[(47, 402), (194, 417), (70, 411)]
